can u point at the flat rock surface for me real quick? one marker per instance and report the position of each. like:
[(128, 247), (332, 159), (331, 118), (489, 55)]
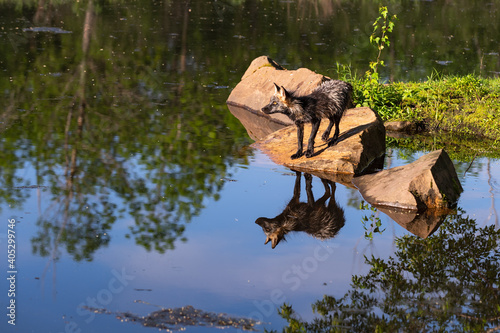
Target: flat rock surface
[(361, 142), (430, 182)]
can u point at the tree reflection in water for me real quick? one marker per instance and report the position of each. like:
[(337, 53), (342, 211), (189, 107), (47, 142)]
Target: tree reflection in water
[(446, 282)]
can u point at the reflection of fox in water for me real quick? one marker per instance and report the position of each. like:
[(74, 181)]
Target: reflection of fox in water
[(314, 217)]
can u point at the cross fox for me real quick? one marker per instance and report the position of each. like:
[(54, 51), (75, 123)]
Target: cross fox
[(329, 100), (318, 219)]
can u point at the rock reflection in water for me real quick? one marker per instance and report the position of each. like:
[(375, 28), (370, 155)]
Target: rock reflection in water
[(316, 217), (420, 224)]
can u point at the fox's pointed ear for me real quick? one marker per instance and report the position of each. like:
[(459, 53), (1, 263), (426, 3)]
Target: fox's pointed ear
[(274, 242), (276, 89), (267, 240), (284, 93)]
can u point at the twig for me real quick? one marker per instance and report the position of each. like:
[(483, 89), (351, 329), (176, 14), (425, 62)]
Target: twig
[(470, 163)]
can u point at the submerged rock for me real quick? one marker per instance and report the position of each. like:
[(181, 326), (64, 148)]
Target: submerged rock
[(404, 126), (431, 182), (177, 319), (403, 129)]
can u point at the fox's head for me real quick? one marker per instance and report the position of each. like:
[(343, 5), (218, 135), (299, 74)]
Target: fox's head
[(274, 231), (280, 101)]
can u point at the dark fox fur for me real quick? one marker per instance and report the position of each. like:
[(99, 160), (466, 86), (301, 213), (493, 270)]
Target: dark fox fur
[(314, 217), (328, 100)]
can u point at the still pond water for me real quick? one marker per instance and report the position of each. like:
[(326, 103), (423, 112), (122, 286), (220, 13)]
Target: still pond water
[(133, 189)]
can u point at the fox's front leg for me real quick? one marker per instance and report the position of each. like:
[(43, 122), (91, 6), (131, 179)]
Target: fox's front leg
[(300, 138), (314, 131)]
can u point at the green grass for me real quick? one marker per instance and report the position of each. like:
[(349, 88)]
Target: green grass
[(468, 105)]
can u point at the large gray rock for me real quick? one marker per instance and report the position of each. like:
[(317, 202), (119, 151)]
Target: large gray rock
[(256, 86), (430, 182)]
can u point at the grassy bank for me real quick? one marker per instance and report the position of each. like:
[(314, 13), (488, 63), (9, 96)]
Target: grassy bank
[(467, 105), (463, 105)]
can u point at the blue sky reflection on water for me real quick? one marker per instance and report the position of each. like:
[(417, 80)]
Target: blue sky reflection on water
[(223, 266)]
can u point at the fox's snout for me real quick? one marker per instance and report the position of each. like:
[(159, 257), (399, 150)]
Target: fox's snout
[(274, 106), (266, 109)]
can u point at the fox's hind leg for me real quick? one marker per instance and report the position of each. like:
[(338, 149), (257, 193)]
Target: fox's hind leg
[(335, 135), (326, 133)]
